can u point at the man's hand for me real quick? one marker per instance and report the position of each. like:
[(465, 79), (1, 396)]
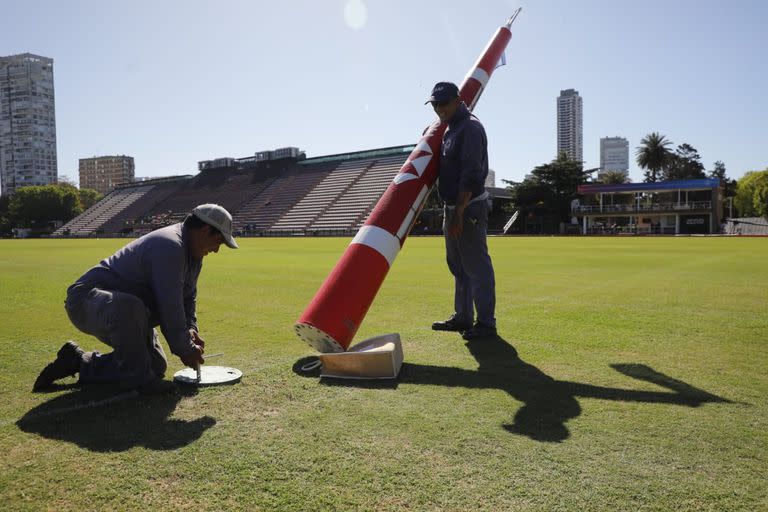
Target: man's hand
[(456, 227), (194, 358), (196, 339)]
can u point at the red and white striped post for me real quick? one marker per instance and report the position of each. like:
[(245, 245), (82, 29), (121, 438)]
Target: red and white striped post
[(332, 318)]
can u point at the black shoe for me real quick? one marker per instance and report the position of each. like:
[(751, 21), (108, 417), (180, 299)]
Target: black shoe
[(451, 325), (479, 331), (67, 363)]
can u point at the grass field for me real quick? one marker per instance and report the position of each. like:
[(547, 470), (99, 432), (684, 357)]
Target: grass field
[(639, 383)]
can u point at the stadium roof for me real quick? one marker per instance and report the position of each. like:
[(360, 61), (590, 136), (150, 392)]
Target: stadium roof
[(369, 153), (659, 186)]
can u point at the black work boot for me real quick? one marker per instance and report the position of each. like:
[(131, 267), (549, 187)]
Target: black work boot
[(479, 331), (66, 364), (452, 324)]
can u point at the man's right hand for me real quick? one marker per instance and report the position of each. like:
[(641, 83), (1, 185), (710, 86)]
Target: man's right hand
[(194, 358)]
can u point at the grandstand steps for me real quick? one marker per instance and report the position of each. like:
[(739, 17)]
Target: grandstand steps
[(263, 210), (323, 196), (349, 212), (138, 209), (97, 215)]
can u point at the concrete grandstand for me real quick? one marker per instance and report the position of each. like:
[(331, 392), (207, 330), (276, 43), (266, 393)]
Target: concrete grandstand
[(271, 193)]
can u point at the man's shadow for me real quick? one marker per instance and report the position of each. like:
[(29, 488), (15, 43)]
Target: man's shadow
[(548, 403), (106, 420)]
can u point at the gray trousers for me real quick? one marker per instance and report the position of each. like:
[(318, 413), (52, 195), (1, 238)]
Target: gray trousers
[(470, 264), (122, 321)]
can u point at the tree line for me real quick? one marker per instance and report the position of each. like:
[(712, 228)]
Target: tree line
[(39, 208)]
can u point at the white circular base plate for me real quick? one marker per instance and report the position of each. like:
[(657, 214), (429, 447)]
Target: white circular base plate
[(316, 338), (209, 376)]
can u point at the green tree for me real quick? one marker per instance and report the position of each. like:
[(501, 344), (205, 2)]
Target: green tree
[(614, 178), (5, 217), (751, 199), (683, 164), (37, 206), (718, 171), (729, 186), (548, 191), (88, 197), (653, 155), (760, 199)]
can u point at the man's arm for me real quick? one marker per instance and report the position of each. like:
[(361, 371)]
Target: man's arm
[(190, 307), (166, 262), (456, 226), (472, 157)]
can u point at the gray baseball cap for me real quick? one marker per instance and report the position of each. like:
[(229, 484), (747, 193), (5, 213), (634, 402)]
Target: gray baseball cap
[(219, 218)]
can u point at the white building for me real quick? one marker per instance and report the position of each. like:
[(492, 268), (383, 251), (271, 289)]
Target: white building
[(570, 131), (490, 180), (614, 155), (27, 122)]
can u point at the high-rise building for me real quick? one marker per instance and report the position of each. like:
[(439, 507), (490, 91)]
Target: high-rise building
[(490, 180), (614, 155), (569, 125), (27, 122), (104, 173)]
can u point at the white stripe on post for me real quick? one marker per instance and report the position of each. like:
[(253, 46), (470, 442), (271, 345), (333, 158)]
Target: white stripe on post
[(415, 207), (381, 240), (481, 76)]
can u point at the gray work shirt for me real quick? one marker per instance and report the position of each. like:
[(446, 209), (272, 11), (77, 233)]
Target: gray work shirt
[(158, 269), (464, 157)]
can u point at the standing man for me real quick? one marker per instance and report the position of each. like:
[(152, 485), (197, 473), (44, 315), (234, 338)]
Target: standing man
[(151, 281), (461, 185)]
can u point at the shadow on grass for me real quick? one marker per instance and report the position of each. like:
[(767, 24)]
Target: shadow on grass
[(92, 419), (548, 403)]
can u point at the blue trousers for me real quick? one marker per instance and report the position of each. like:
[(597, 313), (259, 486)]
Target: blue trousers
[(122, 321), (471, 266)]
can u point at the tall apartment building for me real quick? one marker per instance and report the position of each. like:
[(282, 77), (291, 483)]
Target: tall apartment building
[(569, 124), (490, 180), (104, 173), (614, 155), (27, 122)]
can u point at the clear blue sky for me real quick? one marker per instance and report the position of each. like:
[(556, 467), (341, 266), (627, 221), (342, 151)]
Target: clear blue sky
[(172, 82)]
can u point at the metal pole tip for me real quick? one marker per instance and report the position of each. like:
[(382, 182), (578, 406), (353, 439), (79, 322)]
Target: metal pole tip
[(513, 17)]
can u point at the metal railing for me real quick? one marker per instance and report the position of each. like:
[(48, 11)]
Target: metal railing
[(634, 207)]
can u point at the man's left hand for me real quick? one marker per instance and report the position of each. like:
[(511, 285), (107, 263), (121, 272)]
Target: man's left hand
[(196, 339)]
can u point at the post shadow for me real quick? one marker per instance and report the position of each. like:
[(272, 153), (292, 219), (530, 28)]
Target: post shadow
[(547, 403), (89, 418)]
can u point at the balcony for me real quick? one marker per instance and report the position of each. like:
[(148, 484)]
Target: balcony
[(644, 208)]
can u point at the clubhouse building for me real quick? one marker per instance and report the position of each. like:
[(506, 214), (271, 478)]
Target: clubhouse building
[(666, 208)]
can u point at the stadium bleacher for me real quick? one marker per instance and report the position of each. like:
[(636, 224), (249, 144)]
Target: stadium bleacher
[(262, 211), (350, 210), (322, 196), (331, 194), (125, 220), (97, 215)]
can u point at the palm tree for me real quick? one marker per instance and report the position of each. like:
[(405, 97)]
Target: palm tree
[(653, 155), (614, 178)]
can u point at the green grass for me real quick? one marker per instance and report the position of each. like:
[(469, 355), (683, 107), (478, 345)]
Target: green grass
[(641, 384)]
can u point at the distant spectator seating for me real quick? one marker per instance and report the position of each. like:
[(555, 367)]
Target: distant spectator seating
[(263, 210), (353, 206), (319, 199), (229, 189), (123, 222), (330, 194), (93, 218)]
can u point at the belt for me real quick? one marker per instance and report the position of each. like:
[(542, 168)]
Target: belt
[(482, 197)]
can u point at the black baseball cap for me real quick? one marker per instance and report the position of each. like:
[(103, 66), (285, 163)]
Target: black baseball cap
[(442, 92)]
